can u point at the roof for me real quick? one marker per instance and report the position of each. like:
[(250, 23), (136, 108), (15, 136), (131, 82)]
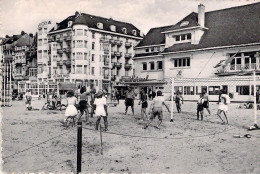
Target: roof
[(232, 26), (24, 40), (146, 54), (154, 36), (192, 18), (91, 21), (12, 39)]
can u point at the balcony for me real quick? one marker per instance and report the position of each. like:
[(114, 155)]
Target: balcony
[(118, 65), (118, 54), (112, 41), (59, 63), (106, 63), (59, 51), (49, 63), (128, 66), (106, 76), (106, 51), (128, 55), (113, 78), (118, 42), (113, 53), (49, 75), (128, 44), (68, 38), (59, 39), (103, 40), (237, 69), (68, 62), (49, 51)]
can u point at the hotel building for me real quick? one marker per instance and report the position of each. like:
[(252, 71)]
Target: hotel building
[(91, 51), (189, 50)]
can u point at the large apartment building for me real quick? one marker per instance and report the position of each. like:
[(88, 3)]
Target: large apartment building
[(189, 50), (91, 51)]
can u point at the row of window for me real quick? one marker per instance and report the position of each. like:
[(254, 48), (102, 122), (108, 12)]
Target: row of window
[(182, 37), (42, 42), (42, 31), (152, 49), (213, 90), (182, 62), (159, 66)]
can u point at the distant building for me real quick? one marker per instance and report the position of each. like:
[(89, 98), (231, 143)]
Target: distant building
[(192, 48), (91, 51)]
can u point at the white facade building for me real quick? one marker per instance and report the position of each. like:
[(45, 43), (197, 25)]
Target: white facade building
[(190, 49)]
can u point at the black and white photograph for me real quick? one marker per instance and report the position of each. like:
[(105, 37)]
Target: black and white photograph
[(130, 86)]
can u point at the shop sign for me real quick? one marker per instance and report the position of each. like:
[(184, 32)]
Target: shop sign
[(134, 79)]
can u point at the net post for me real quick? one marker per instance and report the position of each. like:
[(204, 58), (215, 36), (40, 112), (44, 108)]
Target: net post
[(79, 147), (255, 106), (172, 93)]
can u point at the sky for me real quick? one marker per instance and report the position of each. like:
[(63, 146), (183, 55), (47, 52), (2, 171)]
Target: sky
[(25, 15)]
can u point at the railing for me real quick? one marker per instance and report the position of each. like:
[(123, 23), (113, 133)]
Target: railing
[(128, 44), (112, 41), (238, 68), (128, 55), (106, 76), (118, 54), (113, 77), (118, 42), (128, 66)]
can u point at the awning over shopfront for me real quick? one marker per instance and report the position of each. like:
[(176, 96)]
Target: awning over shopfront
[(67, 86), (152, 82)]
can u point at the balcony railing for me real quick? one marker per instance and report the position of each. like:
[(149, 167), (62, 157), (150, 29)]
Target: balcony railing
[(59, 39), (118, 54), (112, 41), (128, 55), (59, 63), (231, 69), (49, 75), (118, 65), (118, 42), (59, 51), (68, 38), (128, 44), (49, 63), (106, 76), (128, 66), (103, 39), (113, 77), (68, 62)]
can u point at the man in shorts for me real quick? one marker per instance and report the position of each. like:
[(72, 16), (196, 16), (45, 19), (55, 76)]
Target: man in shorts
[(129, 100), (156, 109)]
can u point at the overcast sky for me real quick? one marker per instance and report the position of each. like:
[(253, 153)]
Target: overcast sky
[(18, 15)]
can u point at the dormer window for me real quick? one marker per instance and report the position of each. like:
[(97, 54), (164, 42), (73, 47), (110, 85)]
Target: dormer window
[(182, 37), (112, 28), (124, 30), (56, 27), (134, 32), (100, 25), (69, 24)]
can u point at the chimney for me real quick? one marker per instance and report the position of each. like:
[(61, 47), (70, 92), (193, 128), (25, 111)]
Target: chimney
[(201, 15)]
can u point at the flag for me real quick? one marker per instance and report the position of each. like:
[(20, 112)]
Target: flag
[(229, 60), (221, 63)]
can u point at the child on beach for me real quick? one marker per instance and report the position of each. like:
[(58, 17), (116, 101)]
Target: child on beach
[(156, 109), (200, 107), (71, 110), (144, 105), (101, 109), (178, 101), (223, 105)]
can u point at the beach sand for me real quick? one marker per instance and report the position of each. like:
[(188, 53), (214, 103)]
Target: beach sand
[(36, 141)]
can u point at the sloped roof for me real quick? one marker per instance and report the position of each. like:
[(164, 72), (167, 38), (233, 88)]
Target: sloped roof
[(232, 26), (24, 40), (91, 21), (154, 36), (12, 39), (192, 18)]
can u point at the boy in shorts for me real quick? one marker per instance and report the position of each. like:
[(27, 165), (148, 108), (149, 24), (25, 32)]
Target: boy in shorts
[(156, 109)]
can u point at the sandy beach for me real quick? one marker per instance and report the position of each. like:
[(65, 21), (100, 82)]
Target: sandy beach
[(36, 141)]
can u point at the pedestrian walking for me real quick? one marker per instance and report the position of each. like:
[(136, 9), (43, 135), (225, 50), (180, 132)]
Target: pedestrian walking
[(223, 105), (101, 110), (129, 100), (117, 95), (178, 101), (156, 109)]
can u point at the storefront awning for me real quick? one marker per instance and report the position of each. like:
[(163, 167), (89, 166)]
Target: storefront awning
[(67, 86)]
